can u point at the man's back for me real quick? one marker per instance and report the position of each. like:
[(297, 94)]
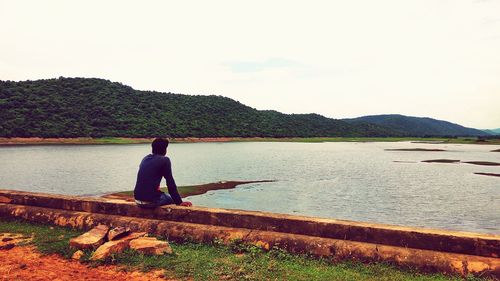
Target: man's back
[(153, 167)]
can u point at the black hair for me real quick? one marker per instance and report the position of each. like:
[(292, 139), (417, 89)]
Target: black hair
[(159, 146)]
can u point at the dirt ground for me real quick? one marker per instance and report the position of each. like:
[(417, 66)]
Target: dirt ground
[(25, 263)]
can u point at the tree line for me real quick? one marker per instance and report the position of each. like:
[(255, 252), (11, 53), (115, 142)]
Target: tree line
[(89, 107)]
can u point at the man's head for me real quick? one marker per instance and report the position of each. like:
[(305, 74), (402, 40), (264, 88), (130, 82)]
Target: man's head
[(160, 146)]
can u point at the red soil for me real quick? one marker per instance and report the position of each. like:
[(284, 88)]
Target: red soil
[(25, 263)]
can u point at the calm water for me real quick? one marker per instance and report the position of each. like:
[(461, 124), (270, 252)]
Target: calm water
[(355, 181)]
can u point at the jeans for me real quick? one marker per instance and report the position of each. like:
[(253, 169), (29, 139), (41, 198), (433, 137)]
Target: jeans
[(164, 199)]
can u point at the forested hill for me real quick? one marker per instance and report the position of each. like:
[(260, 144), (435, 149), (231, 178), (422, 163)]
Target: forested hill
[(492, 131), (418, 126), (81, 107)]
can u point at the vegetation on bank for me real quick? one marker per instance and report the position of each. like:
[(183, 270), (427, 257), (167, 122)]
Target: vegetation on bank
[(418, 126), (116, 140), (82, 107), (223, 262)]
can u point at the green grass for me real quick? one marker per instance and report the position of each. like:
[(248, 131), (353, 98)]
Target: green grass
[(48, 239), (112, 140), (209, 262), (223, 262), (183, 190), (120, 140)]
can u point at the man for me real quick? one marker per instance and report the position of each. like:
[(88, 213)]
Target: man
[(153, 167)]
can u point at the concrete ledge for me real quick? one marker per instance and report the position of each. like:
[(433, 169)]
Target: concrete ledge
[(486, 245), (336, 249)]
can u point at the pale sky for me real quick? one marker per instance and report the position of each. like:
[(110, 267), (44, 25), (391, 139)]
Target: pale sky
[(341, 59)]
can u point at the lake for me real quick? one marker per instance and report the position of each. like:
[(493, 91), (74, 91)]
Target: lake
[(353, 181)]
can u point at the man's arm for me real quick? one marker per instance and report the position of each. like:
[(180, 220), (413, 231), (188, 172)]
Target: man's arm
[(172, 187)]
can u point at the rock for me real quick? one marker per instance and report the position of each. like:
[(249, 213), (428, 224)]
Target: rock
[(133, 235), (108, 248), (263, 245), (116, 246), (117, 232), (10, 236), (78, 255), (150, 246), (91, 239), (441, 161), (484, 163), (488, 174), (7, 246), (414, 149), (10, 240)]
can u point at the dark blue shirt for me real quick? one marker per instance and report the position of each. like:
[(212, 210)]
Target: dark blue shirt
[(153, 167)]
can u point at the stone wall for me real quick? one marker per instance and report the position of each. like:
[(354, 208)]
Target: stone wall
[(427, 249)]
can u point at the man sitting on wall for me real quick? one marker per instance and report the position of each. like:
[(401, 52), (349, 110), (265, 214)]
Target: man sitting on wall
[(153, 167)]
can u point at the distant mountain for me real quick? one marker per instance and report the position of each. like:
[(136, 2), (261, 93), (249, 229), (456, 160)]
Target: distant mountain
[(492, 131), (417, 126), (82, 107)]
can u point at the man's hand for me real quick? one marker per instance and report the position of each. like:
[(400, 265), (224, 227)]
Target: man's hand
[(186, 204)]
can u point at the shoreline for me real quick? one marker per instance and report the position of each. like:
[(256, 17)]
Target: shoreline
[(123, 140)]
